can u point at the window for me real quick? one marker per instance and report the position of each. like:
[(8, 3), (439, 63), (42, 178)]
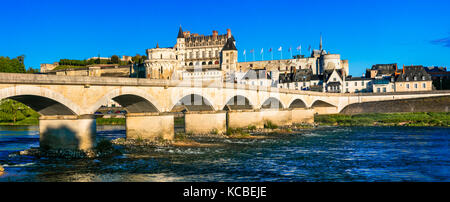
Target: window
[(415, 85), (334, 79), (407, 85), (362, 83), (384, 89), (356, 83), (378, 90), (346, 83), (424, 85)]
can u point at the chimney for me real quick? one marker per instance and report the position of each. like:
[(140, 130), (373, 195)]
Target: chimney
[(215, 34), (228, 33)]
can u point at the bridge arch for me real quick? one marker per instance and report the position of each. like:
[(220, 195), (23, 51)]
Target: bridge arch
[(43, 100), (135, 100), (201, 97), (323, 107), (297, 103), (272, 103), (238, 102), (321, 103), (194, 102)]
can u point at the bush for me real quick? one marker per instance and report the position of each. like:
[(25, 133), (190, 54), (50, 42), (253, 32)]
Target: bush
[(270, 125)]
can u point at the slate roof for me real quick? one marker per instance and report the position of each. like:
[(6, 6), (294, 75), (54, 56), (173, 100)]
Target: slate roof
[(180, 33), (413, 73), (350, 78), (299, 76), (229, 45), (327, 73), (256, 74)]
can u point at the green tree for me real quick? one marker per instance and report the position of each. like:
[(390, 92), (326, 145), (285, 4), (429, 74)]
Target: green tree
[(137, 59), (11, 65), (115, 59)]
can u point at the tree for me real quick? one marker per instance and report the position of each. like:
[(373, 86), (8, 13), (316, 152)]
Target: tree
[(137, 59), (11, 65), (115, 59)]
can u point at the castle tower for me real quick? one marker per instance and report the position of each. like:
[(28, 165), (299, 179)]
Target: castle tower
[(229, 56), (180, 48)]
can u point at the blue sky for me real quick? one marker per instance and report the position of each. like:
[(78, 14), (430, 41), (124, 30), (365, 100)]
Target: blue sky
[(364, 32)]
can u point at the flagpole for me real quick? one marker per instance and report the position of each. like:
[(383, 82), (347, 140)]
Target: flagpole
[(245, 57), (262, 54), (290, 50)]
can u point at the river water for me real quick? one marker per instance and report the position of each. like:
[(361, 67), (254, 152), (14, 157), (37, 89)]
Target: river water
[(321, 154)]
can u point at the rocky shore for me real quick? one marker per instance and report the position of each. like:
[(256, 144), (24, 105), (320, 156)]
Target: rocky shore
[(104, 149)]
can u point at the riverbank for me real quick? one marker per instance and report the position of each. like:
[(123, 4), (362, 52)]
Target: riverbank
[(386, 119)]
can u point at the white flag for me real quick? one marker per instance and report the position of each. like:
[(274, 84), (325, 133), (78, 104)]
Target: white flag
[(262, 50), (244, 52), (279, 49)]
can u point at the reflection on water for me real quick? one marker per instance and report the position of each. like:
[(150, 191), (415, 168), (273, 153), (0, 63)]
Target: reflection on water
[(324, 154)]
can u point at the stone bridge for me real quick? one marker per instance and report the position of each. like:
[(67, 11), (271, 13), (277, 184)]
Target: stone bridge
[(67, 105)]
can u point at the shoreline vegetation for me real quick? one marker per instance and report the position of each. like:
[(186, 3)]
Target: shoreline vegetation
[(386, 119)]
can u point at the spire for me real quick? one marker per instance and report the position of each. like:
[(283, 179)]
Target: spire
[(157, 45), (320, 41), (180, 33)]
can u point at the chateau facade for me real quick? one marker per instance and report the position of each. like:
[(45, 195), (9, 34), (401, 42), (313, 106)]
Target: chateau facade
[(208, 54)]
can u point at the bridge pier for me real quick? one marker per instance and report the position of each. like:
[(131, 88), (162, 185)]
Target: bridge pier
[(67, 132), (149, 126), (280, 117), (205, 122), (245, 118), (302, 115)]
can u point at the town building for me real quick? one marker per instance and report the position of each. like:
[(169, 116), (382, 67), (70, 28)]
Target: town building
[(258, 77), (440, 77), (333, 80), (358, 84), (413, 78), (383, 85)]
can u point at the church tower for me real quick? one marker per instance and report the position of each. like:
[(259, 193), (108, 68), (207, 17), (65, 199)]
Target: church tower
[(320, 46)]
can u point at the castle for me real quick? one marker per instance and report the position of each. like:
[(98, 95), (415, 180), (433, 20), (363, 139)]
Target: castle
[(210, 54), (216, 57)]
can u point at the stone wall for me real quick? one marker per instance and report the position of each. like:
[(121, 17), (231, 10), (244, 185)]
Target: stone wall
[(205, 122), (302, 116), (243, 119), (150, 126), (434, 104)]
